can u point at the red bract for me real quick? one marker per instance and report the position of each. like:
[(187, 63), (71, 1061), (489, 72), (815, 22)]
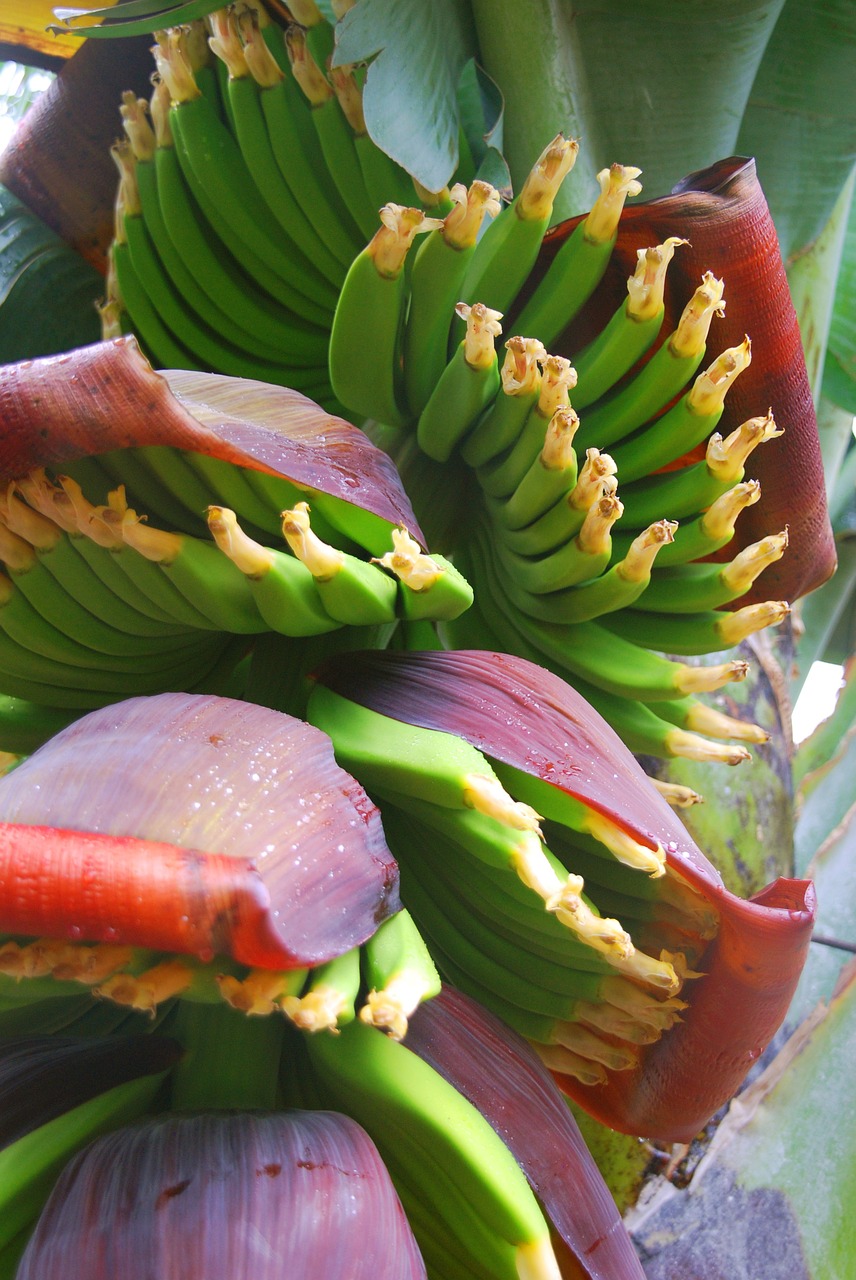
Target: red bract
[(522, 716), (107, 396), (500, 1075), (724, 215), (199, 825), (298, 1193)]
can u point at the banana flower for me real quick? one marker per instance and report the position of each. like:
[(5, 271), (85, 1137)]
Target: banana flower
[(162, 860)]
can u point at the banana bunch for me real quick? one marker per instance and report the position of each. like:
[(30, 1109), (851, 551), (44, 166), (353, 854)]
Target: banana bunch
[(247, 187), (528, 929), (594, 563), (553, 885), (101, 599), (585, 561)]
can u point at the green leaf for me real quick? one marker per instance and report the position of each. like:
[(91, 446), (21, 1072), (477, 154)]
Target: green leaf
[(800, 122), (774, 1195), (655, 85), (482, 119), (839, 375), (47, 292), (418, 52)]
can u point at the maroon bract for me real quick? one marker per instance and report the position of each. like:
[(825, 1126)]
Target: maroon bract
[(500, 1075), (261, 1195), (194, 824), (96, 399)]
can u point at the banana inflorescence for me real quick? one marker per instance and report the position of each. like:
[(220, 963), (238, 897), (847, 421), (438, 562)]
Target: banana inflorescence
[(259, 180), (577, 933)]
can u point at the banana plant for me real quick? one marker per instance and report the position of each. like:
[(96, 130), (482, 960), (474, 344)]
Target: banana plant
[(679, 100)]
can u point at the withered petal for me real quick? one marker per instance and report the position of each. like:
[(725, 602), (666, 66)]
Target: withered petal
[(723, 214), (237, 833), (107, 396), (495, 1069), (251, 1196)]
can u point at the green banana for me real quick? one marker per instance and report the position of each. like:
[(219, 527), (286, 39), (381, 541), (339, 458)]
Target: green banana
[(205, 577), (580, 560), (421, 1123), (692, 489), (218, 176), (561, 522), (500, 477), (399, 974), (617, 588), (580, 263), (282, 589), (696, 588), (663, 377), (696, 633), (295, 144), (465, 388), (590, 651), (705, 534), (551, 477), (351, 591), (243, 94), (60, 555), (366, 332), (501, 425), (335, 136), (217, 271), (436, 284), (204, 343), (430, 587), (630, 333), (687, 423), (509, 247), (165, 350)]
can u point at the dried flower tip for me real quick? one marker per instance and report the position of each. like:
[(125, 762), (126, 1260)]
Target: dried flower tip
[(556, 1057), (347, 89), (390, 244), (521, 373), (678, 796), (720, 518), (727, 458), (409, 562), (128, 194), (389, 1010), (488, 796), (689, 746), (689, 679), (172, 59), (261, 63), (625, 847), (643, 550), (482, 327), (534, 868), (589, 1045), (319, 1010), (463, 223), (226, 44), (307, 73), (694, 325), (595, 536), (617, 184), (159, 107), (147, 990), (258, 994), (135, 120), (734, 627), (704, 719), (708, 392), (589, 488), (753, 560), (322, 560), (249, 556), (535, 201), (558, 451), (647, 284), (558, 378)]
